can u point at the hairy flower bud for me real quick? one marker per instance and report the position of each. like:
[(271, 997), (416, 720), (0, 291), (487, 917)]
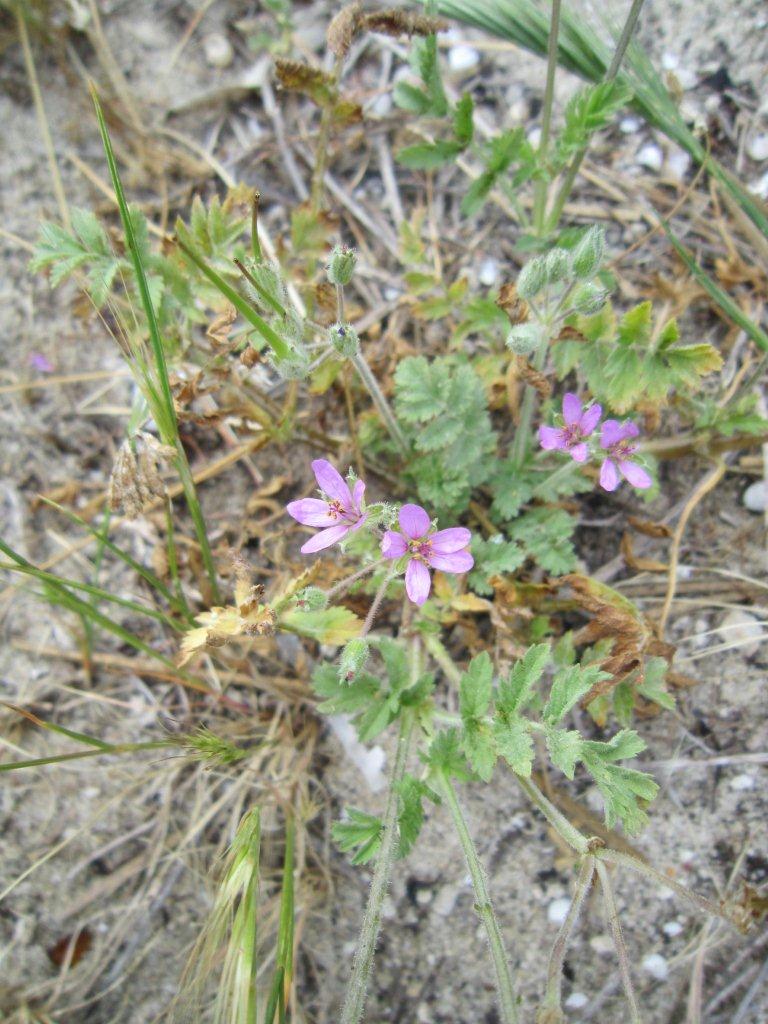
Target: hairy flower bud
[(532, 278), (353, 659), (269, 280), (341, 265), (588, 254), (524, 339), (311, 599), (557, 264), (344, 339), (294, 366), (588, 299)]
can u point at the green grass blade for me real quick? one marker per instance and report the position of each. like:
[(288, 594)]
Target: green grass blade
[(283, 976), (716, 293), (123, 748), (162, 406), (81, 737), (275, 342)]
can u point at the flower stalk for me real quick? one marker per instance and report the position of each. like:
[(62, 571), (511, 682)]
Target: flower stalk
[(483, 905)]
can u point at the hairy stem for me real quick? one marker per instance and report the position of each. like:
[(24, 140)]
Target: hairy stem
[(618, 940), (348, 581), (323, 140), (558, 821), (354, 1001), (561, 473), (379, 400), (522, 434), (507, 1000), (542, 185), (613, 70), (376, 604), (557, 958)]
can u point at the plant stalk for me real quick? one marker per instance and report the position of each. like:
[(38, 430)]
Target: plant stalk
[(379, 400), (618, 941), (542, 185), (484, 907), (323, 140), (558, 821), (553, 992), (618, 56), (520, 442), (354, 1001)]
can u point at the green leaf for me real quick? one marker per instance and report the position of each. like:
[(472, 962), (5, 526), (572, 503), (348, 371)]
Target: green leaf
[(564, 746), (493, 557), (499, 156), (334, 625), (589, 110), (426, 156), (568, 687), (463, 124), (515, 691), (445, 755), (360, 832), (545, 535), (476, 687), (514, 744), (653, 683), (479, 746), (342, 698), (412, 793), (621, 787)]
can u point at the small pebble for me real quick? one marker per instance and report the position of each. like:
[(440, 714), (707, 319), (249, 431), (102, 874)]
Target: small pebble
[(678, 164), (651, 156), (488, 274), (629, 125), (218, 50), (463, 58), (602, 945), (757, 148), (742, 629), (743, 783), (576, 1001), (534, 137), (655, 965), (669, 61), (557, 911), (382, 105), (760, 186), (672, 929)]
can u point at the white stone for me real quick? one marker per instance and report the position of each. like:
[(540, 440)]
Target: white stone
[(488, 274), (368, 760), (742, 629), (655, 965), (602, 945), (669, 61), (629, 125), (672, 929), (757, 148), (382, 105), (678, 164), (686, 77), (651, 156), (557, 911), (534, 137), (218, 50), (743, 783), (576, 1001), (760, 186), (463, 58)]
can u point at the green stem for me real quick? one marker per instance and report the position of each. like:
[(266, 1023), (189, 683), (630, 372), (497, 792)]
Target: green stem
[(561, 473), (380, 401), (506, 992), (520, 443), (618, 940), (193, 503), (118, 748), (613, 70), (437, 649), (553, 993), (542, 185), (323, 140), (354, 1001), (558, 821)]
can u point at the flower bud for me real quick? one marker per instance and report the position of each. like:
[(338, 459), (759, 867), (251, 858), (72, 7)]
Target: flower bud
[(268, 279), (532, 278), (344, 339), (524, 339), (353, 659), (294, 366), (588, 299), (341, 265), (311, 599), (557, 265), (588, 254)]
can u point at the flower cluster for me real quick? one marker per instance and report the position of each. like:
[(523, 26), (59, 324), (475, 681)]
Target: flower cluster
[(616, 446), (342, 512)]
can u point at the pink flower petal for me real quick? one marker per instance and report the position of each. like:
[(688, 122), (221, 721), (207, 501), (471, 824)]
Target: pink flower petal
[(571, 408), (311, 512), (551, 438), (418, 582), (609, 476), (359, 523), (414, 521), (580, 452), (393, 545), (455, 561), (330, 482), (445, 541), (611, 434), (590, 419), (630, 429), (635, 475), (357, 493), (324, 539)]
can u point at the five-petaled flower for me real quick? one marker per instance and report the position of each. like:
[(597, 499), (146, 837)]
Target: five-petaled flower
[(615, 439), (444, 550), (341, 514), (578, 424)]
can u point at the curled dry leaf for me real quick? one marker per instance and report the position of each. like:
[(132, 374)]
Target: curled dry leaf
[(135, 482), (515, 307)]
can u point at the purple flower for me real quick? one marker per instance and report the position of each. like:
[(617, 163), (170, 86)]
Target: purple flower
[(444, 550), (615, 439), (39, 362), (578, 424), (341, 513)]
